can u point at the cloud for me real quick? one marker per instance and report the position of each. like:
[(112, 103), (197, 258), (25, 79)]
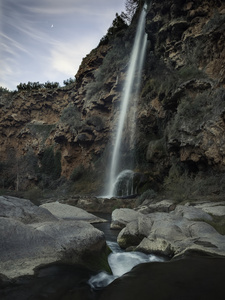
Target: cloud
[(10, 45), (66, 58), (32, 50), (84, 7)]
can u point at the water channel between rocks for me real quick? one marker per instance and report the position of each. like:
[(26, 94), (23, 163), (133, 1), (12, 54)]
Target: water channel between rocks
[(120, 262), (190, 278)]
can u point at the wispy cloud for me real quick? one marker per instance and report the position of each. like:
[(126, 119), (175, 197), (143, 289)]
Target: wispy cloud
[(84, 7), (10, 45), (32, 49), (65, 57)]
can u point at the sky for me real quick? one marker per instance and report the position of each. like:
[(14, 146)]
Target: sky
[(46, 40)]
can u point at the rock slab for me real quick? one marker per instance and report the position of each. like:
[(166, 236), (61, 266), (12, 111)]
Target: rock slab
[(69, 212), (184, 230), (28, 240)]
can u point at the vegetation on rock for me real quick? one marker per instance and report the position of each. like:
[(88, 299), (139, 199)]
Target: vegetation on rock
[(179, 143)]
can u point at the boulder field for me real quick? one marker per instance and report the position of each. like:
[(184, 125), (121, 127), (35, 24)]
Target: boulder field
[(33, 236), (172, 230)]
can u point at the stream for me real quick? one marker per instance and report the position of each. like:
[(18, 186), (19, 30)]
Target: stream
[(136, 276), (120, 262)]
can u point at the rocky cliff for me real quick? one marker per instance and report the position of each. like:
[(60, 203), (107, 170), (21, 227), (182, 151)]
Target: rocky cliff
[(180, 139)]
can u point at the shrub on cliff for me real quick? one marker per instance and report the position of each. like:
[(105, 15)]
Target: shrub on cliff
[(72, 117), (77, 173), (51, 163), (69, 81), (3, 90), (36, 86)]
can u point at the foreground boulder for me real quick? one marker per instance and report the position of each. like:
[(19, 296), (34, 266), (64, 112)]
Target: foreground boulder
[(23, 246), (191, 278), (186, 229), (23, 210)]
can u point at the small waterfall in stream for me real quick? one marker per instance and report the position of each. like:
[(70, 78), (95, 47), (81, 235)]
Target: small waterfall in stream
[(120, 263), (130, 95)]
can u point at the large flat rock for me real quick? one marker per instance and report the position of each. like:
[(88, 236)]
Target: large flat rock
[(69, 212)]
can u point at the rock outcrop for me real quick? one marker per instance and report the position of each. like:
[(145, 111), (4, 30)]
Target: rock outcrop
[(184, 92), (32, 236), (185, 230), (180, 112)]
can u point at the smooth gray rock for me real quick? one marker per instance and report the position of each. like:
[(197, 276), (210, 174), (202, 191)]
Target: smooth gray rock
[(24, 247), (135, 231), (69, 212), (191, 213), (161, 206), (23, 210), (121, 217), (216, 209), (181, 231), (31, 236)]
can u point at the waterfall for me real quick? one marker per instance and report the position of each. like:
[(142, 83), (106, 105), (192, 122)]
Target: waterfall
[(130, 95), (123, 185)]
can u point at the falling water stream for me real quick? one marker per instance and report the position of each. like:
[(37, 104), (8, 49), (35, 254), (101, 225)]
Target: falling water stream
[(122, 184), (131, 89)]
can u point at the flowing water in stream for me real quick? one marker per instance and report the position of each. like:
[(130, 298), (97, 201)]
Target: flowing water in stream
[(120, 262)]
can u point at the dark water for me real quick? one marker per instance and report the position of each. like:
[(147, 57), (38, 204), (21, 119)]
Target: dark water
[(196, 278), (110, 235), (56, 282)]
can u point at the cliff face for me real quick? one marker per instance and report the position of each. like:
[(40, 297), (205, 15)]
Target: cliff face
[(180, 113), (184, 87)]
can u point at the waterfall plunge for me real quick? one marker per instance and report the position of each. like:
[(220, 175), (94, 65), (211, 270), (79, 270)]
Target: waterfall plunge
[(133, 79)]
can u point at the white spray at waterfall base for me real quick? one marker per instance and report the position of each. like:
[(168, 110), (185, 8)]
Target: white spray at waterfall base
[(133, 79)]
